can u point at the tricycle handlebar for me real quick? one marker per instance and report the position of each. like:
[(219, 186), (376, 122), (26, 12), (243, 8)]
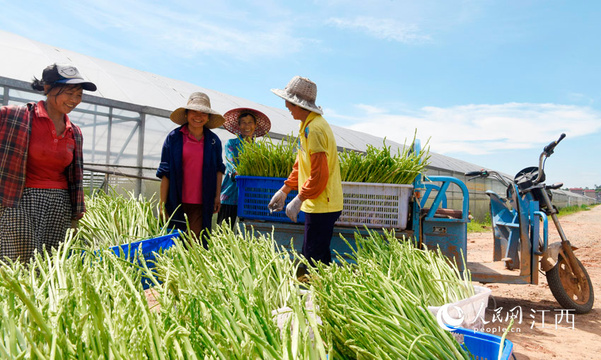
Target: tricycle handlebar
[(471, 175), (547, 151), (474, 174), (483, 173), (549, 148)]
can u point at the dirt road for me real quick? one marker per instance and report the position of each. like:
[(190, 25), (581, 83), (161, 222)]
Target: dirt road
[(545, 331)]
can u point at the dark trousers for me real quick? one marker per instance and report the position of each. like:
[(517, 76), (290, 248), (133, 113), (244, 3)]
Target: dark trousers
[(318, 236), (229, 213), (194, 214)]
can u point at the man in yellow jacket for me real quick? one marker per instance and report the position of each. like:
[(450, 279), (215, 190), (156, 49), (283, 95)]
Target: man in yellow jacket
[(316, 172)]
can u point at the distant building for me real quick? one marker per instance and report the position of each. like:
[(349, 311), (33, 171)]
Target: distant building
[(579, 191), (591, 193)]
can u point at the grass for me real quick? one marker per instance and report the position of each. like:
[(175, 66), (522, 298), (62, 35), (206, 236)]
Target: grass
[(479, 226), (574, 209)]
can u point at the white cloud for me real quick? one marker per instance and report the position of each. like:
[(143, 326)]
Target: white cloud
[(580, 98), (371, 110), (480, 129), (189, 30), (382, 28)]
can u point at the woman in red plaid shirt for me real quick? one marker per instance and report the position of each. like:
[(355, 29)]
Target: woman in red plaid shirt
[(41, 166)]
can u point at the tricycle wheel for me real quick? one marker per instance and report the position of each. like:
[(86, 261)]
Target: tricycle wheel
[(566, 289)]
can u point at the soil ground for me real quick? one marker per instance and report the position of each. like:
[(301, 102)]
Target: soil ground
[(545, 332)]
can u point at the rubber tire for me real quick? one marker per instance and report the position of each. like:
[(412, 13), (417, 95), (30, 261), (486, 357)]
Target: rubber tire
[(554, 277)]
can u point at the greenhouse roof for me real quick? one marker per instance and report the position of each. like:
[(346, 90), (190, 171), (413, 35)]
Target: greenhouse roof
[(120, 84)]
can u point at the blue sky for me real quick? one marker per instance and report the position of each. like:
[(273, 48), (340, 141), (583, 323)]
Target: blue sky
[(489, 82)]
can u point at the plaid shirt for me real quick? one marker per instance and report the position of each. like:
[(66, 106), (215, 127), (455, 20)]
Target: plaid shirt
[(15, 129)]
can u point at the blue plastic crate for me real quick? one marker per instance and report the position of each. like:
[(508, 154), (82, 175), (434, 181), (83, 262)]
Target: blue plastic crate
[(484, 346), (254, 194), (149, 248)]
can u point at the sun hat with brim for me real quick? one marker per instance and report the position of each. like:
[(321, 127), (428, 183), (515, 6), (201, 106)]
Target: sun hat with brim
[(65, 74), (302, 92), (231, 121), (198, 101)]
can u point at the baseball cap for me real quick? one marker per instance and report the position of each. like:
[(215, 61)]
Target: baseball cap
[(65, 74)]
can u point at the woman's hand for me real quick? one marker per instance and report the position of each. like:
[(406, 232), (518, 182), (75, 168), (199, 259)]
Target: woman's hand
[(163, 215), (217, 203)]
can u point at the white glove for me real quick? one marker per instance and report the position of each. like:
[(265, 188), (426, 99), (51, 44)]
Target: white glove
[(293, 208), (277, 201)]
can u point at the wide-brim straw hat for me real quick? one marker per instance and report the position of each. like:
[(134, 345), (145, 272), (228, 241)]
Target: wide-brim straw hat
[(198, 101), (302, 92), (231, 121)]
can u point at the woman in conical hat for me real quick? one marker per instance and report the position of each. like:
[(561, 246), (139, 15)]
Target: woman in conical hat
[(247, 124)]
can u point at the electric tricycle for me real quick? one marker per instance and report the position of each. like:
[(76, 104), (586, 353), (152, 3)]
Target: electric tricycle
[(520, 230)]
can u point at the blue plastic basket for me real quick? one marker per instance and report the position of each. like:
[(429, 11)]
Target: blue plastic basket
[(149, 248), (254, 194), (484, 346)]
